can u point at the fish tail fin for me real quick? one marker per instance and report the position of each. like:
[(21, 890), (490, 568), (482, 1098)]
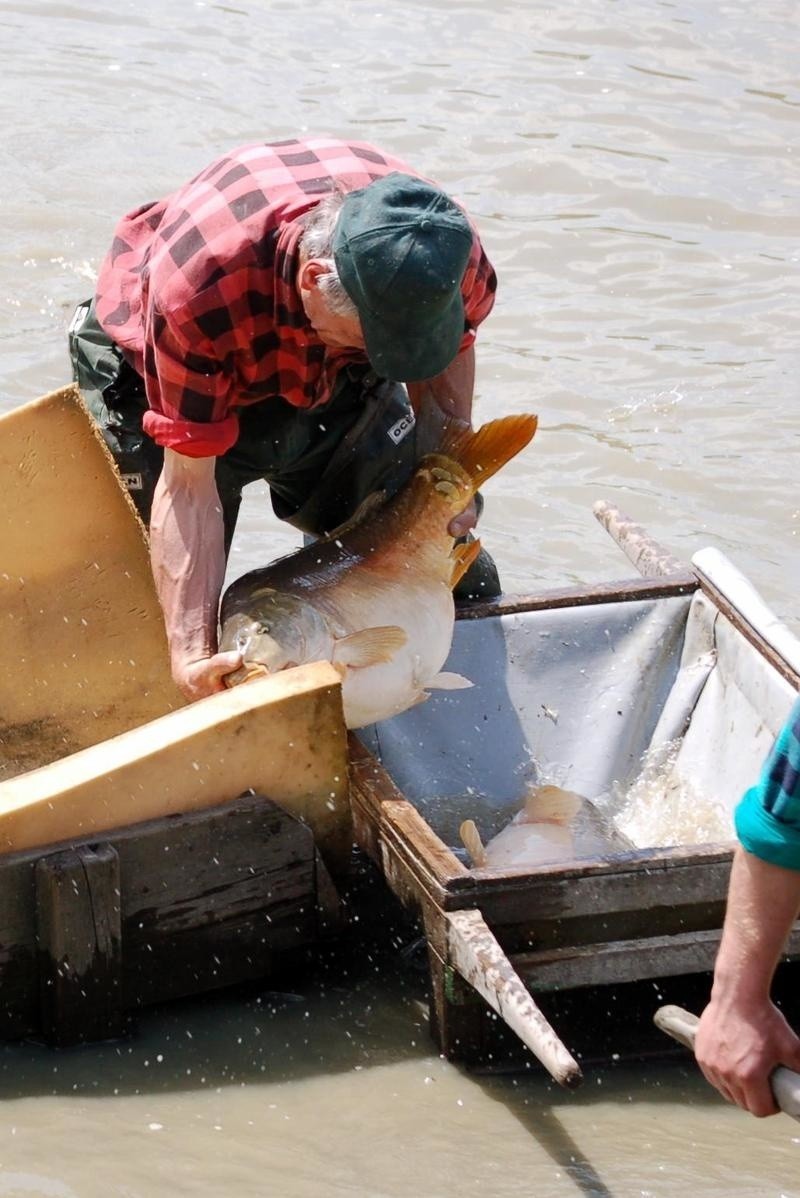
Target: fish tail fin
[(471, 839), (463, 556), (551, 805), (481, 453)]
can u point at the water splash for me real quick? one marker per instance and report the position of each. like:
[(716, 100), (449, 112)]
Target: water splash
[(662, 807)]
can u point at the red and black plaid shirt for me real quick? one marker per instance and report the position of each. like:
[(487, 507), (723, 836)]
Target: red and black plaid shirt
[(199, 290)]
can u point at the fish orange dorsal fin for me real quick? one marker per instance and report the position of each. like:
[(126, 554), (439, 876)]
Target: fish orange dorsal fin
[(373, 502), (551, 805), (471, 839), (463, 556), (369, 647), (482, 453)]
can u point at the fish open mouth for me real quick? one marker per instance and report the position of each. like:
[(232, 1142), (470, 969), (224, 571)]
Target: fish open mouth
[(246, 671)]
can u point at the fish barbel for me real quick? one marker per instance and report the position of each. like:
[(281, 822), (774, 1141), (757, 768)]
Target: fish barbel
[(375, 598)]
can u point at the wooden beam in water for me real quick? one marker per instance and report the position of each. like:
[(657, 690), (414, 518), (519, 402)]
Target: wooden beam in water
[(476, 955), (650, 558)]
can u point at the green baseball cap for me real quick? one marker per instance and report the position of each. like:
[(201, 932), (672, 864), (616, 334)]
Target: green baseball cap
[(401, 247)]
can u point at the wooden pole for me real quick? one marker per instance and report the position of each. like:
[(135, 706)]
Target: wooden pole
[(476, 955), (682, 1026), (650, 558)]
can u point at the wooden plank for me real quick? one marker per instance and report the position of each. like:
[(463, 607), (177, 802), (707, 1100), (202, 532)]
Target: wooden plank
[(282, 735), (601, 964), (207, 899), (409, 874), (624, 900), (459, 1017), (83, 652), (632, 589), (79, 944), (490, 879), (391, 830)]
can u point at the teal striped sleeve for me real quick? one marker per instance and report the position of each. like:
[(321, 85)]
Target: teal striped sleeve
[(768, 817)]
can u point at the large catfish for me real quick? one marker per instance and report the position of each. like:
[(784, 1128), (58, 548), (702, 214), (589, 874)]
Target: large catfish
[(375, 598)]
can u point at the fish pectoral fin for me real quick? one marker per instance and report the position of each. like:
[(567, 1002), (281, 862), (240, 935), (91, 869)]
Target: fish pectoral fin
[(446, 681), (463, 556), (471, 839), (551, 805), (369, 647)]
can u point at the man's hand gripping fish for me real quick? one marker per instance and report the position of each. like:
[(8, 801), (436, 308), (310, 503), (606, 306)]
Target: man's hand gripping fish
[(375, 597)]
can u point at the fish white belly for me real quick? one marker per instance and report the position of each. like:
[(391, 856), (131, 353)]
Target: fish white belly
[(426, 615), (523, 844)]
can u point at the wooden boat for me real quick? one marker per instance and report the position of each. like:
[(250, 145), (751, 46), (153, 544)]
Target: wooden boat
[(578, 687), (138, 860)]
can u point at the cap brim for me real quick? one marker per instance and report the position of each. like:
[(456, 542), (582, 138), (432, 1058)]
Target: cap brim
[(414, 354)]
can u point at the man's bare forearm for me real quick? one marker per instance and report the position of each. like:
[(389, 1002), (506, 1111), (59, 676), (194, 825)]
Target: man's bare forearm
[(763, 901), (452, 389), (742, 1036), (187, 549)]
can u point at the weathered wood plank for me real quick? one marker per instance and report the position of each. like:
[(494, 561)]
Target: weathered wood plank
[(392, 832), (79, 945), (613, 963), (459, 1017), (477, 956), (283, 735), (646, 861), (207, 900), (634, 895)]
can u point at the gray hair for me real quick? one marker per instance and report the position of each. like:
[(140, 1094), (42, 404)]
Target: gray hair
[(317, 243)]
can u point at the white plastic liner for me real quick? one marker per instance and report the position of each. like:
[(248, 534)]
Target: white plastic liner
[(567, 695), (579, 695), (732, 723)]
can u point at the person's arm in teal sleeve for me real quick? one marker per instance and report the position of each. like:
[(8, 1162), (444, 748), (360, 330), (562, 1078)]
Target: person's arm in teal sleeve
[(742, 1036)]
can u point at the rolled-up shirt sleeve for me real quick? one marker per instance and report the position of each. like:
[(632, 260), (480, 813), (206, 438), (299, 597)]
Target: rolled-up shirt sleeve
[(768, 817), (188, 392)]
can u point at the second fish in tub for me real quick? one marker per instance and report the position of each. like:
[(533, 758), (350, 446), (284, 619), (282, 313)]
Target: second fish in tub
[(554, 825)]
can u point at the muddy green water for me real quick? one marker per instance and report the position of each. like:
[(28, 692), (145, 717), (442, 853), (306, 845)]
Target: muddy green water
[(633, 167)]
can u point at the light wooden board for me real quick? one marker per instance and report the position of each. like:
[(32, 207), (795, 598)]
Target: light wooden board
[(283, 737), (83, 652)]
